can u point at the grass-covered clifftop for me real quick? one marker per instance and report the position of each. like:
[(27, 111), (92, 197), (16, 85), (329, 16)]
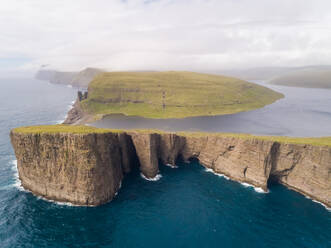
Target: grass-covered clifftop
[(53, 129), (173, 94)]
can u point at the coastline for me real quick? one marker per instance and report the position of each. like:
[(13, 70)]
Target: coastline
[(264, 160), (76, 116), (18, 185)]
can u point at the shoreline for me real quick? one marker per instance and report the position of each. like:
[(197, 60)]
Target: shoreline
[(18, 185), (76, 116), (221, 154), (80, 117)]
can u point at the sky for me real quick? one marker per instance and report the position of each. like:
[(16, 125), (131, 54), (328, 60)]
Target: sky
[(199, 35)]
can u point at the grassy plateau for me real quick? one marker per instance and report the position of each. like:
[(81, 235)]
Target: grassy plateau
[(173, 94), (68, 129)]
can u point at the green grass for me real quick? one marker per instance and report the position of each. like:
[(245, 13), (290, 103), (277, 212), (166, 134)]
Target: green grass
[(52, 129), (173, 94), (315, 141), (61, 128)]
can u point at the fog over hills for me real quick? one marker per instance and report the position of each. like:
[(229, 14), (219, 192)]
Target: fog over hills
[(315, 76), (308, 78), (77, 79), (269, 73)]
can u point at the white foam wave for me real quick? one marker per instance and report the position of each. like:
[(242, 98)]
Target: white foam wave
[(69, 86), (321, 203), (69, 107), (172, 166), (327, 208), (217, 174), (119, 187), (156, 178), (17, 184), (257, 189), (69, 204)]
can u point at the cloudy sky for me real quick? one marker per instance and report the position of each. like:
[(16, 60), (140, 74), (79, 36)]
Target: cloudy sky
[(162, 35)]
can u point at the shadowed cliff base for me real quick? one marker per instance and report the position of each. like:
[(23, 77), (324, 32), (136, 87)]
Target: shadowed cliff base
[(85, 165)]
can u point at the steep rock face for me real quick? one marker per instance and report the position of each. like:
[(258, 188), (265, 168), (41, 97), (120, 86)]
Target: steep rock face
[(77, 116), (146, 146), (243, 160), (87, 168), (306, 169), (170, 148), (82, 169)]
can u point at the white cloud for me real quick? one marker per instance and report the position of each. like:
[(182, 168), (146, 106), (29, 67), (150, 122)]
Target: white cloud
[(164, 34)]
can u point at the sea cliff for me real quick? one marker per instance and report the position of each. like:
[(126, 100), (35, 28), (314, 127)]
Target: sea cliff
[(85, 165)]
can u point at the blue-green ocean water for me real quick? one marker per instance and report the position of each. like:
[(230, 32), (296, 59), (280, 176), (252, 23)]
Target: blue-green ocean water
[(187, 207)]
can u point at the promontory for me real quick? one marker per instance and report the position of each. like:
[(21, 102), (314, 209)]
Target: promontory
[(169, 94)]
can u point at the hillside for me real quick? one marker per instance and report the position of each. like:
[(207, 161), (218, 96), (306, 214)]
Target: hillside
[(173, 94), (305, 78)]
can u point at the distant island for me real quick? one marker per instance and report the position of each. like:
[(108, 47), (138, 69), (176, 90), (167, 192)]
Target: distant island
[(308, 78), (79, 79), (268, 73), (171, 94)]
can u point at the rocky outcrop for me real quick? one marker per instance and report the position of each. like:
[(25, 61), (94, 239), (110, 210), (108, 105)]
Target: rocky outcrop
[(77, 116), (86, 169)]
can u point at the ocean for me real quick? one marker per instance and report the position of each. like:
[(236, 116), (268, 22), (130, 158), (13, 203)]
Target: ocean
[(188, 206)]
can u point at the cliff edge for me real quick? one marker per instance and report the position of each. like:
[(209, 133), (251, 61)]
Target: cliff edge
[(85, 165)]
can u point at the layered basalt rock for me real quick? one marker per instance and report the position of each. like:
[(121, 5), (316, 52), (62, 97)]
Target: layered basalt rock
[(81, 169), (87, 169)]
